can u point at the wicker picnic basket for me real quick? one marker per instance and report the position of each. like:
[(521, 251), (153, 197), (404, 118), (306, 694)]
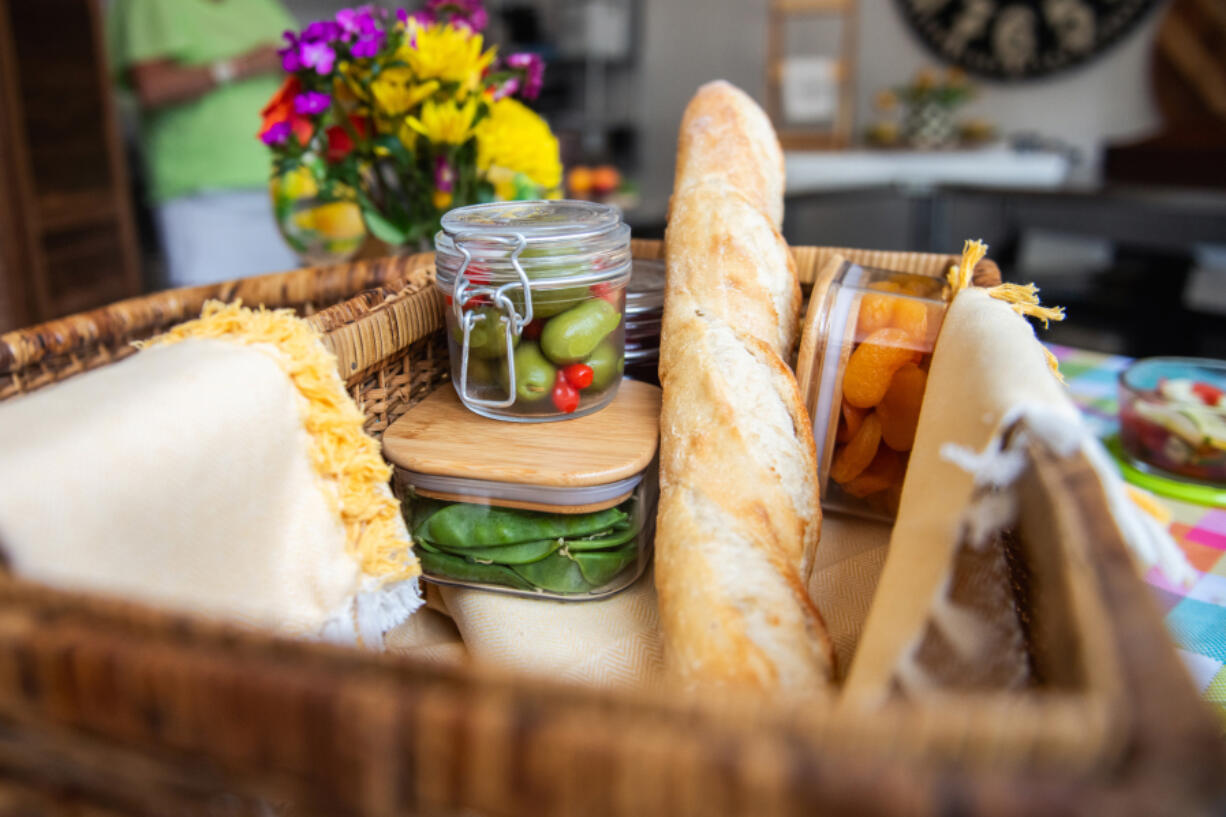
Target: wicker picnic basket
[(109, 708)]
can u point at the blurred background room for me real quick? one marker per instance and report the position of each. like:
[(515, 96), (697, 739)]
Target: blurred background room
[(1084, 140)]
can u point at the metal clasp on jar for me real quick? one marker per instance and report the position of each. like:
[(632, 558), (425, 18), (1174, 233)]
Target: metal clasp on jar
[(465, 290)]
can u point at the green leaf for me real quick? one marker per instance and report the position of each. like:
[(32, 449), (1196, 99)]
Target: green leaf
[(601, 567), (382, 229), (557, 573)]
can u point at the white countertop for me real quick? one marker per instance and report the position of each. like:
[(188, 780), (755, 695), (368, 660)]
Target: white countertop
[(996, 166)]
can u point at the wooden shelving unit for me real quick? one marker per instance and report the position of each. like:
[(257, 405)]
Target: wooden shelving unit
[(67, 240), (781, 14)]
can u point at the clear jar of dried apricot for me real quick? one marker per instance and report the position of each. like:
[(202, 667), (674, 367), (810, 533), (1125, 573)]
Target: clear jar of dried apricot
[(876, 331)]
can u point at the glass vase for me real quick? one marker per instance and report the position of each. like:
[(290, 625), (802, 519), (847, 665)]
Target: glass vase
[(321, 223)]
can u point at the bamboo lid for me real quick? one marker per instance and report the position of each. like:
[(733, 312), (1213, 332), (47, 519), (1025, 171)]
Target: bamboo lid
[(440, 437)]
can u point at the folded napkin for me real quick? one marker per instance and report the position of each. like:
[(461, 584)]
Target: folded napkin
[(609, 642), (222, 471), (944, 614)]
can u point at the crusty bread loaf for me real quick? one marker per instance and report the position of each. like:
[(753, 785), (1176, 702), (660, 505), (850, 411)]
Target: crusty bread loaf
[(734, 263), (725, 136), (739, 516)]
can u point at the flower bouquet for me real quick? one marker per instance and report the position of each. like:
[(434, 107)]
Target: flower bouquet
[(387, 120), (930, 101)]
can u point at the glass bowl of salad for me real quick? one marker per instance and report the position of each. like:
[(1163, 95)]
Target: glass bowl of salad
[(1173, 416)]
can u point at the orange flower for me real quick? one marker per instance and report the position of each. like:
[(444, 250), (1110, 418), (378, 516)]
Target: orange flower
[(281, 109)]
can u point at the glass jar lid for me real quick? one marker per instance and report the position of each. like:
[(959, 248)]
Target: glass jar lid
[(555, 241)]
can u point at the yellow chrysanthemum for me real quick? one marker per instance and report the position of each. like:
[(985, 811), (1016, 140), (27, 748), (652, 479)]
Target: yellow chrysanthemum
[(513, 139), (446, 53), (396, 93), (446, 122)]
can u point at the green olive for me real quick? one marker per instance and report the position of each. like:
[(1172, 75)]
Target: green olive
[(572, 335), (483, 373), (607, 363), (534, 375), (488, 337), (549, 302)]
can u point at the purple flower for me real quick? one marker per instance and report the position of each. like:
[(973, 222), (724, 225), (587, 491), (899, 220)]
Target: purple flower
[(290, 60), (277, 134), (358, 22), (532, 68), (368, 46), (462, 13), (317, 55), (444, 175), (322, 31), (310, 102)]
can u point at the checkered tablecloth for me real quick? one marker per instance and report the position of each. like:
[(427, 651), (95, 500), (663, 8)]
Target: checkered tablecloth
[(1196, 616)]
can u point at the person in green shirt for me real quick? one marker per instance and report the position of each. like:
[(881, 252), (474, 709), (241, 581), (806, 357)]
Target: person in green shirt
[(201, 70)]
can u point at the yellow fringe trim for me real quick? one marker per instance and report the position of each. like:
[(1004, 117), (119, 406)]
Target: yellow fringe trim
[(341, 452), (1022, 298)]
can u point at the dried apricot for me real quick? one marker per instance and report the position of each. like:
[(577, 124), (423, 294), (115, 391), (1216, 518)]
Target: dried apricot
[(911, 316), (900, 408), (885, 471), (859, 451), (877, 311), (873, 364), (849, 422)]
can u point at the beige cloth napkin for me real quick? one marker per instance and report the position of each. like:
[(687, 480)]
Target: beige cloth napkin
[(610, 642), (189, 476), (986, 361)]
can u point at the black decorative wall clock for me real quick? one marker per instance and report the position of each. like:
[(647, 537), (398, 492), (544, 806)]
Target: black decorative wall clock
[(1015, 39)]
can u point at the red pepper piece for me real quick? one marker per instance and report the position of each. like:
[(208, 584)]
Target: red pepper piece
[(1208, 394), (578, 375), (478, 275), (565, 396), (608, 292), (533, 330)]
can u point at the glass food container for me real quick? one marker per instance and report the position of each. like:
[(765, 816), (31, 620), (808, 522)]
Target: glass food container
[(560, 511), (644, 318), (877, 330), (536, 296), (1173, 417)]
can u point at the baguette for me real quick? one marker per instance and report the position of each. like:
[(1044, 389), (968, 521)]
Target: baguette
[(739, 516), (726, 137)]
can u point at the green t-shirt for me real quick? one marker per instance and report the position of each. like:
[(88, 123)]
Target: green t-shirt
[(208, 143)]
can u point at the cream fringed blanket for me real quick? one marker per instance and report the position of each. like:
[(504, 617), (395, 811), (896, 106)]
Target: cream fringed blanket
[(223, 471)]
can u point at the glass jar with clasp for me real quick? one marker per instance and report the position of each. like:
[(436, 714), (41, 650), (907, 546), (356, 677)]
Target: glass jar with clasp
[(535, 302)]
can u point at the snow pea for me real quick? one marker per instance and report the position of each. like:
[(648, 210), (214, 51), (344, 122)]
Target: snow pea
[(600, 567), (573, 335), (557, 573), (605, 540), (454, 567), (607, 363), (465, 525), (520, 554)]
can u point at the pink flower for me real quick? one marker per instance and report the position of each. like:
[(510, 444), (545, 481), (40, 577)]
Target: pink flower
[(508, 87), (532, 68), (444, 175), (463, 13)]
